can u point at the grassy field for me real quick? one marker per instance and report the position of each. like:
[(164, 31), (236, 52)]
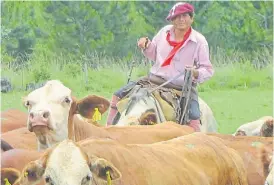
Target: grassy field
[(234, 107), (238, 92)]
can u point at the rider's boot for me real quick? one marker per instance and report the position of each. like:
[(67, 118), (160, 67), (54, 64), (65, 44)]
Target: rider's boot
[(113, 110)]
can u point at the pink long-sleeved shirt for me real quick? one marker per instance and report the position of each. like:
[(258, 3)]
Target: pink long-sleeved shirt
[(195, 48)]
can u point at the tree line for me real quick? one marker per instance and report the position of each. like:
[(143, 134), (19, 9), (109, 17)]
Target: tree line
[(113, 27)]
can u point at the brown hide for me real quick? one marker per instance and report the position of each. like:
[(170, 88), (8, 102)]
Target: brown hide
[(18, 158), (189, 160), (250, 149), (140, 134), (20, 138), (13, 119)]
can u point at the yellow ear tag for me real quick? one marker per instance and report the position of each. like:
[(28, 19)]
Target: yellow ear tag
[(7, 181), (97, 115), (108, 178), (25, 174)]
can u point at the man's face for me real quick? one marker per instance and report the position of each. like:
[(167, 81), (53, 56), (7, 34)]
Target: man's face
[(182, 21)]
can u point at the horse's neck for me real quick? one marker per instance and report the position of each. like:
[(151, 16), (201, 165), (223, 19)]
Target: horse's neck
[(83, 130)]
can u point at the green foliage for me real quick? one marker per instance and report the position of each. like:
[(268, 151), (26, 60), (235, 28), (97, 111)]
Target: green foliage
[(112, 28), (41, 74), (243, 25), (72, 69), (239, 76)]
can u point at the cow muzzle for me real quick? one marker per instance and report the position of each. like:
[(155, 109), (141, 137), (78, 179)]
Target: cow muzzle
[(40, 120)]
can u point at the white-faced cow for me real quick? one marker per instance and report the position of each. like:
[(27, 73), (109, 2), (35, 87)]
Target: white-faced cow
[(191, 160), (51, 117)]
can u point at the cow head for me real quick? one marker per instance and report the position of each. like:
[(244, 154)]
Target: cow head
[(51, 109), (135, 108), (67, 163), (267, 128), (148, 118)]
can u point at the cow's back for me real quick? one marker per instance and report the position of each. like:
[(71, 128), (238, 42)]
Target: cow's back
[(18, 158), (190, 160), (13, 119), (250, 149), (21, 138), (146, 134), (135, 134)]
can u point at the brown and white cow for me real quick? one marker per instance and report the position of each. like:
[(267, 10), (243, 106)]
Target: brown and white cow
[(247, 146), (253, 128), (51, 117), (12, 119), (192, 159), (52, 107)]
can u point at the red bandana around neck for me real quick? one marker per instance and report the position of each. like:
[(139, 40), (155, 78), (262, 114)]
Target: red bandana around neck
[(176, 47)]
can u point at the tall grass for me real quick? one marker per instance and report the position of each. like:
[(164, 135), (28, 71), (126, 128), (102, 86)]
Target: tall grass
[(98, 73)]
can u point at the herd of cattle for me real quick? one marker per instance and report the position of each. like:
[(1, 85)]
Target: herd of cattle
[(53, 143)]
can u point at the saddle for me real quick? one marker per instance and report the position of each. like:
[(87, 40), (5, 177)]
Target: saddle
[(168, 96)]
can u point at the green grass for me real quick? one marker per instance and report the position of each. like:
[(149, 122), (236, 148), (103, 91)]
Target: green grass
[(232, 108)]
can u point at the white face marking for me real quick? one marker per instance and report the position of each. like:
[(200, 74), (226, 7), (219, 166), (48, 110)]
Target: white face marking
[(269, 178), (67, 165), (55, 98), (252, 128), (136, 111)]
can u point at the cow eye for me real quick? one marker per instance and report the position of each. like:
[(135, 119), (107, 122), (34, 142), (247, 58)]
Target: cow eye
[(88, 177), (67, 100), (27, 103), (47, 179), (86, 180)]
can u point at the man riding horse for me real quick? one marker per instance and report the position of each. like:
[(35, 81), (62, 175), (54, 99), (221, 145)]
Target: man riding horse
[(175, 47)]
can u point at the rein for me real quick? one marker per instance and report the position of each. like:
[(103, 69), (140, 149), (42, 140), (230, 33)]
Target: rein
[(134, 59)]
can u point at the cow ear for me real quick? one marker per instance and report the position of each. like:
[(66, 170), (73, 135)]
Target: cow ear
[(86, 106), (9, 176), (104, 170), (32, 173)]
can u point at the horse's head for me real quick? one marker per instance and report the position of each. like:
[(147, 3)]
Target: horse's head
[(140, 108)]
